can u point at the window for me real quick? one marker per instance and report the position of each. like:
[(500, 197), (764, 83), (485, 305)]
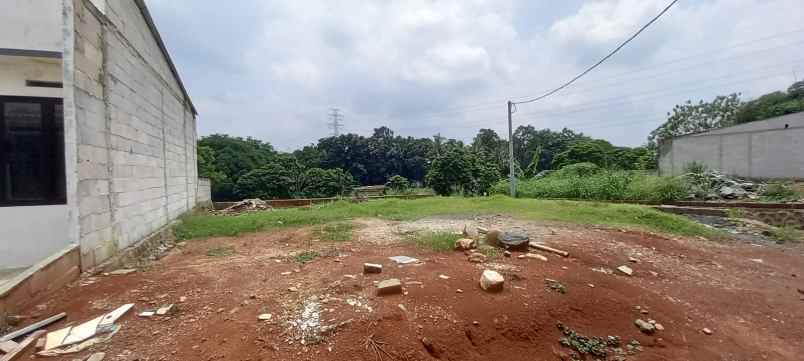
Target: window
[(31, 151)]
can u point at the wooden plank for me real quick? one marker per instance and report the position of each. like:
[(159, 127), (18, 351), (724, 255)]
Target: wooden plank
[(22, 346), (542, 247), (33, 327)]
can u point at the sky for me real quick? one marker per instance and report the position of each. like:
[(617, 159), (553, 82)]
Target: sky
[(273, 69)]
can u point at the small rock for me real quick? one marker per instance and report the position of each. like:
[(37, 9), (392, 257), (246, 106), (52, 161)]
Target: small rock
[(443, 277), (801, 291), (372, 268), (477, 257), (706, 331), (164, 310), (633, 260), (459, 291), (182, 299), (428, 345), (465, 244), (534, 256), (475, 323), (644, 312), (389, 287), (590, 285), (625, 270), (146, 314), (644, 326), (507, 253), (265, 317), (293, 289), (659, 326), (98, 356), (492, 281)]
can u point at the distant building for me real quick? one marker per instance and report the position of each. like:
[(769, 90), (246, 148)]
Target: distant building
[(765, 149), (97, 138)]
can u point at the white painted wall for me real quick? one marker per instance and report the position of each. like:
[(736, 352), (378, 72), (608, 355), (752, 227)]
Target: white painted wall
[(31, 25), (15, 70), (31, 234)]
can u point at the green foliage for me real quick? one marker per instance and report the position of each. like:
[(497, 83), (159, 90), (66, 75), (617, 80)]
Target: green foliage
[(595, 346), (224, 158), (436, 241), (225, 251), (589, 182), (306, 257), (780, 192), (271, 181), (458, 170), (597, 151), (773, 104), (785, 234), (691, 118), (695, 167), (320, 183), (619, 215), (398, 184)]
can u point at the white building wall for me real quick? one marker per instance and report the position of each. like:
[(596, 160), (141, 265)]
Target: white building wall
[(31, 25), (136, 132), (30, 234), (15, 70)]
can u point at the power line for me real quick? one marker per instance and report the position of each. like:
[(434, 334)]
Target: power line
[(336, 118), (545, 95)]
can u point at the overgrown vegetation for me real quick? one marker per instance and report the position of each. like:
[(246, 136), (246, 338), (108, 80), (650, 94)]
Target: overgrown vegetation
[(785, 234), (589, 182), (335, 232), (780, 192), (620, 215), (436, 241), (306, 257)]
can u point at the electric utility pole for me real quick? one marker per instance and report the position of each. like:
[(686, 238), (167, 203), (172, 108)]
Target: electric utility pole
[(511, 174), (336, 119)]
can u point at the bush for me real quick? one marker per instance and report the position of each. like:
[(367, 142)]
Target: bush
[(588, 182), (270, 181), (398, 184), (780, 191), (459, 170), (321, 183)]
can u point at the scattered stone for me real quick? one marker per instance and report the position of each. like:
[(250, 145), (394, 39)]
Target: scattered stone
[(389, 287), (428, 345), (465, 244), (507, 253), (556, 286), (633, 260), (659, 326), (590, 285), (8, 346), (147, 313), (626, 270), (475, 323), (165, 310), (801, 291), (98, 356), (372, 268), (265, 317), (706, 331), (477, 257), (645, 327), (459, 291), (515, 240), (644, 312), (402, 307), (491, 281), (123, 271), (533, 256), (443, 277), (182, 299), (286, 273), (293, 289), (403, 259)]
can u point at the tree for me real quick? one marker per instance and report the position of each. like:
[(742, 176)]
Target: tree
[(598, 151), (488, 145), (320, 183), (528, 141), (459, 170), (398, 184), (692, 118), (222, 186), (271, 181)]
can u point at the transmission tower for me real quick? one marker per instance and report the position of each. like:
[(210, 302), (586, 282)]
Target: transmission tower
[(335, 121)]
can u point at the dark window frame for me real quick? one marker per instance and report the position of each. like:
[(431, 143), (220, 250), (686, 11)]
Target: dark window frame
[(54, 195)]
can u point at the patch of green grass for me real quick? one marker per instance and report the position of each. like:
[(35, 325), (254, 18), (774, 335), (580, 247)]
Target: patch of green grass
[(335, 232), (306, 257), (436, 241), (785, 234), (224, 251), (780, 192), (489, 251), (616, 215)]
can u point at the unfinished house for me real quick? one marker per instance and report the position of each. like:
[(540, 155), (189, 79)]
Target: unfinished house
[(98, 140)]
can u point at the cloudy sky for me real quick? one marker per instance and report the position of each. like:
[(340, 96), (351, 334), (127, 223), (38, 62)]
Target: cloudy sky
[(273, 69)]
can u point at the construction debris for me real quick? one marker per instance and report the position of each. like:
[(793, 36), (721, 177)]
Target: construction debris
[(165, 310), (465, 244), (265, 317), (712, 184), (706, 331), (77, 338), (372, 268), (533, 256), (492, 281), (123, 271), (389, 287), (33, 327), (8, 346), (542, 247), (98, 356), (403, 259), (246, 205), (22, 346), (626, 270), (644, 326), (476, 257)]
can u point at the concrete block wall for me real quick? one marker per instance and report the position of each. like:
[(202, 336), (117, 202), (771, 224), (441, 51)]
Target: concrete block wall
[(136, 132)]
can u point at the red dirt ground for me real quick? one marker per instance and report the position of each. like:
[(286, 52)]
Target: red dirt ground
[(753, 307)]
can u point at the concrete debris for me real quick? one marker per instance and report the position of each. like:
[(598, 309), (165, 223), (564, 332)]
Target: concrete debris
[(506, 253), (626, 270), (492, 281), (8, 346), (465, 244), (165, 310), (658, 326), (246, 205), (182, 299), (265, 317), (706, 331), (22, 346), (428, 345), (98, 356), (476, 257), (149, 313), (372, 268), (533, 256), (389, 287), (33, 327), (644, 326), (633, 260), (78, 338), (403, 259), (713, 185), (443, 277)]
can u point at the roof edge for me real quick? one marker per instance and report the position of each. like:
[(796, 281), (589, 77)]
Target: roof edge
[(150, 21)]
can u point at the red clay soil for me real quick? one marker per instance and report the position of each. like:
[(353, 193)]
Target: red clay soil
[(746, 294)]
